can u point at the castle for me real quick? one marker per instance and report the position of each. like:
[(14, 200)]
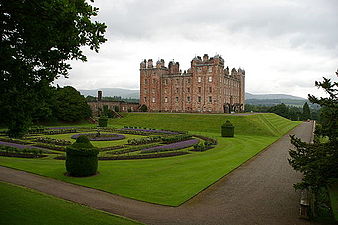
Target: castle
[(205, 87)]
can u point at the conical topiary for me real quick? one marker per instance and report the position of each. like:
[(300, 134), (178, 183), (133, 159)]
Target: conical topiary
[(227, 129), (81, 158)]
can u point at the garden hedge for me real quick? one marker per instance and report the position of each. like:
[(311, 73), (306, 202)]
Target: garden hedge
[(81, 159), (227, 129), (103, 121)]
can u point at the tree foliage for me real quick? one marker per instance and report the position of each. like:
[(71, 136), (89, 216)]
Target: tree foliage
[(306, 111), (37, 40), (318, 161), (70, 105)]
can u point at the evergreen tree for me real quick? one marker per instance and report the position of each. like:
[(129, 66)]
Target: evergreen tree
[(318, 161), (306, 111)]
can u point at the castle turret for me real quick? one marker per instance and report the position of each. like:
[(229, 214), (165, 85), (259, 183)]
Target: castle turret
[(174, 68), (205, 57), (150, 63), (143, 64)]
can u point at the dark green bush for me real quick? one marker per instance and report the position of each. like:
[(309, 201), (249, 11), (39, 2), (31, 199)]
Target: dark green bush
[(103, 121), (81, 158), (144, 108), (227, 129)]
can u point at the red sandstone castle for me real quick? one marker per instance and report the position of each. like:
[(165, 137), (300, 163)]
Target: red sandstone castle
[(206, 87)]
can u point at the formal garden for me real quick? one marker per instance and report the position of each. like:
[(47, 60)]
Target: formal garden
[(160, 158)]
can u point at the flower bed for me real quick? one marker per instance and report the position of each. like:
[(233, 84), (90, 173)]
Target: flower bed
[(50, 146), (12, 151), (101, 137), (212, 140), (59, 131), (146, 140), (132, 149), (150, 130), (53, 141), (172, 146), (16, 141), (147, 156), (176, 138)]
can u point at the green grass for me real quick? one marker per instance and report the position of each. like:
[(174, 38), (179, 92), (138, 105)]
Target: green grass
[(333, 191), (24, 206), (172, 181), (266, 124)]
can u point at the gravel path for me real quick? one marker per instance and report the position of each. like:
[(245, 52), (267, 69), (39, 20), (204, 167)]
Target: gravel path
[(259, 192)]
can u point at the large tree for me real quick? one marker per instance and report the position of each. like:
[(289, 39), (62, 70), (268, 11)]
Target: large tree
[(318, 161), (37, 40), (70, 105)]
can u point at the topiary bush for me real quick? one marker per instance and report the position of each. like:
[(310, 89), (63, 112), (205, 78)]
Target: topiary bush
[(81, 160), (227, 129), (103, 121)]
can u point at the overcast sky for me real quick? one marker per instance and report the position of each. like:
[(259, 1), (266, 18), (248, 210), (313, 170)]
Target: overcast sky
[(284, 45)]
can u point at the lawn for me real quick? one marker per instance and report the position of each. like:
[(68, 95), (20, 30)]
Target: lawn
[(172, 181), (24, 206)]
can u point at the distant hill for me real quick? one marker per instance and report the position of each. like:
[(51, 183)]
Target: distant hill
[(110, 92), (272, 96)]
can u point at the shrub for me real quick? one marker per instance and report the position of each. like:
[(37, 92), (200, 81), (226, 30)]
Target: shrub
[(103, 121), (143, 108), (227, 129), (81, 159)]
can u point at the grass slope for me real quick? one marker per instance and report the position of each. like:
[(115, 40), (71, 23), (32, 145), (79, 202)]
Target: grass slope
[(267, 124), (24, 206), (172, 181)]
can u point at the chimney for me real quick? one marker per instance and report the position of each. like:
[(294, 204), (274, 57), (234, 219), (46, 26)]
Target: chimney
[(99, 96)]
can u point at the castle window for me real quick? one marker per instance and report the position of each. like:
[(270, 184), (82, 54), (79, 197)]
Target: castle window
[(165, 81), (176, 99), (199, 89), (210, 79), (210, 89), (177, 90), (145, 91), (210, 99), (165, 91), (165, 99), (153, 100), (199, 79), (176, 81), (145, 99), (153, 90), (188, 99), (220, 79), (199, 99), (145, 81), (210, 69), (188, 90), (189, 80), (154, 81), (199, 69)]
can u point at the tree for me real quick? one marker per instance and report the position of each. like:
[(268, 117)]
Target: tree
[(37, 40), (70, 105), (306, 111), (318, 161)]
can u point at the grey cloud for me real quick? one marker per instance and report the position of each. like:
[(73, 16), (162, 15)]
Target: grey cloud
[(307, 23)]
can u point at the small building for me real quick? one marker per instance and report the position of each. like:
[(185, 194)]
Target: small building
[(118, 106)]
